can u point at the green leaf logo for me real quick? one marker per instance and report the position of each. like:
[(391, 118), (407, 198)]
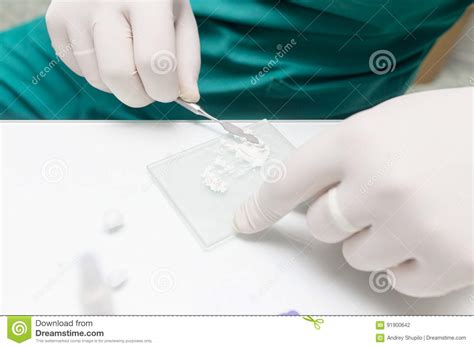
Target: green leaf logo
[(316, 322), (19, 328)]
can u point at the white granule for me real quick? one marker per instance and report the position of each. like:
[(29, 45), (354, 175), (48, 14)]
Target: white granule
[(212, 179), (243, 155)]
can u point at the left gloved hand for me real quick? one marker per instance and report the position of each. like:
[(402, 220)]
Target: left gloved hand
[(394, 184), (141, 51)]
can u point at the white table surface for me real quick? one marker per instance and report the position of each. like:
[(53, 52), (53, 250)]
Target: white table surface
[(47, 226)]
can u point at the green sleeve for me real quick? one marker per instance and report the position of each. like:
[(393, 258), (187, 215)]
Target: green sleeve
[(291, 59)]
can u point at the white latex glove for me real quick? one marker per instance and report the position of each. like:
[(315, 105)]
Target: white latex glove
[(402, 196), (139, 50)]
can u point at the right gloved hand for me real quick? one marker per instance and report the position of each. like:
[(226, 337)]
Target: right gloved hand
[(140, 51), (393, 184)]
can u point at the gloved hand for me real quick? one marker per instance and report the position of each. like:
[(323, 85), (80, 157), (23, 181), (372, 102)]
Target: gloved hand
[(140, 51), (394, 184)]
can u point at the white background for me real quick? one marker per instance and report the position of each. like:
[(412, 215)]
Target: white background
[(46, 227)]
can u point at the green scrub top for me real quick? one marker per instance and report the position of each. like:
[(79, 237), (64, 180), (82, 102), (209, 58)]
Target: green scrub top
[(289, 59)]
